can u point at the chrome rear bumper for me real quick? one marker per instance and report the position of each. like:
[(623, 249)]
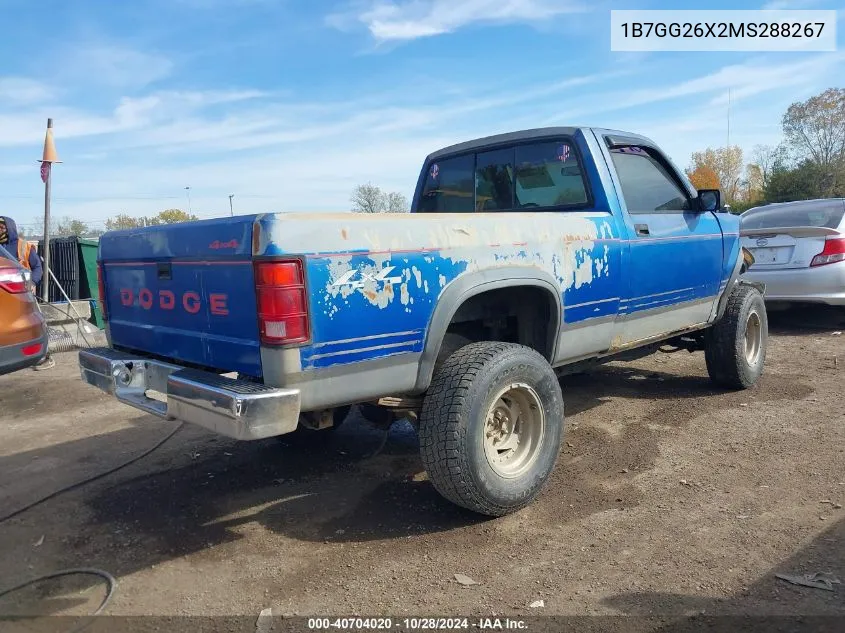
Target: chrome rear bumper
[(234, 408)]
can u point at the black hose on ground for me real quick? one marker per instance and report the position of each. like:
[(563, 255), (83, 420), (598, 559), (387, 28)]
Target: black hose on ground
[(88, 480), (88, 571)]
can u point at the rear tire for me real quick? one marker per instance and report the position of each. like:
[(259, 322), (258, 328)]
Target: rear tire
[(735, 347), (491, 427)]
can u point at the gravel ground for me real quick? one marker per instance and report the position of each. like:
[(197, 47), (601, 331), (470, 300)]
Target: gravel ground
[(670, 498)]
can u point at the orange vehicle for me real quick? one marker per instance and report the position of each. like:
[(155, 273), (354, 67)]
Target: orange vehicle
[(23, 333)]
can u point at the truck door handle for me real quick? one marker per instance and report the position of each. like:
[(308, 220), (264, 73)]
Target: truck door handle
[(641, 229), (164, 270)]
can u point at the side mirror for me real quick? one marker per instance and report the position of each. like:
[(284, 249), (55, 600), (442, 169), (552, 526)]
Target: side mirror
[(709, 199)]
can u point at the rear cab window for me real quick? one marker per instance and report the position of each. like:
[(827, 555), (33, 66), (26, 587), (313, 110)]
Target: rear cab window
[(549, 175), (494, 180), (545, 175), (449, 186)]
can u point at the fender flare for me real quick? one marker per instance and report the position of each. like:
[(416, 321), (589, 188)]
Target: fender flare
[(469, 285), (735, 279)]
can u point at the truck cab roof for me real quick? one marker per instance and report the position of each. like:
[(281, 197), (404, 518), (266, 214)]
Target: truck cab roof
[(531, 135)]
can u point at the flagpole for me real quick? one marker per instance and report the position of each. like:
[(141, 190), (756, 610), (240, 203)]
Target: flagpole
[(45, 280), (47, 159)]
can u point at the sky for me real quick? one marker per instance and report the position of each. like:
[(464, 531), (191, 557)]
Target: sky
[(289, 104)]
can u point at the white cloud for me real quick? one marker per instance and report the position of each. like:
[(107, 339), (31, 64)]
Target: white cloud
[(392, 20), (22, 91), (780, 5), (110, 65), (182, 122), (220, 4), (15, 169), (156, 110), (744, 80)]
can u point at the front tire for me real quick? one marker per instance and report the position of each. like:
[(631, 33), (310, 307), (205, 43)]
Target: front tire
[(491, 427), (735, 347)]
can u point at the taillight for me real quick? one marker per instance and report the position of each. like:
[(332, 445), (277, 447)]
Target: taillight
[(282, 302), (12, 280), (101, 286), (834, 251), (32, 350)]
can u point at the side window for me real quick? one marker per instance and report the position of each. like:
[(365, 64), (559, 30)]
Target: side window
[(449, 186), (548, 174), (494, 180), (646, 185)]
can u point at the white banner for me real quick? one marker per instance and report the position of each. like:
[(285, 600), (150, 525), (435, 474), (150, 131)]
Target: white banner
[(707, 30)]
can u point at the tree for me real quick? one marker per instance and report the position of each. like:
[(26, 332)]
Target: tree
[(703, 177), (768, 158), (369, 198), (123, 221), (726, 163), (172, 216), (67, 227), (753, 185), (816, 128), (806, 181), (168, 216), (397, 203)]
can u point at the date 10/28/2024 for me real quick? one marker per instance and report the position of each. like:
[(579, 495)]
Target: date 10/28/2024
[(417, 624)]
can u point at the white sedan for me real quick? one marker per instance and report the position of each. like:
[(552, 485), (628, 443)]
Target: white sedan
[(799, 250)]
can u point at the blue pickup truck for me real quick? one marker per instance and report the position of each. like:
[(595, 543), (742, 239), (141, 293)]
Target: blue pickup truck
[(526, 256)]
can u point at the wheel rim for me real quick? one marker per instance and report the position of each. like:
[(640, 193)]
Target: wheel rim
[(513, 430), (753, 338)]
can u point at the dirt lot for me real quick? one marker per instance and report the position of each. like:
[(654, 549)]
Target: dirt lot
[(670, 497)]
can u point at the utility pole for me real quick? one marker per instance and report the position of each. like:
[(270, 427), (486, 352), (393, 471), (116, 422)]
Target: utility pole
[(188, 193), (231, 212), (48, 157), (729, 118)]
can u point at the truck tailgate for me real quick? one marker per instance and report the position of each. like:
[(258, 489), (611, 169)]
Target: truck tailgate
[(185, 292)]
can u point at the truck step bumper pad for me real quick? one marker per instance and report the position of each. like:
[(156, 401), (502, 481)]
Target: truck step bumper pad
[(235, 408)]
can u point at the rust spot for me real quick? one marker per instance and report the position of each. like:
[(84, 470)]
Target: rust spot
[(570, 238), (616, 343), (256, 238), (370, 295), (344, 234)]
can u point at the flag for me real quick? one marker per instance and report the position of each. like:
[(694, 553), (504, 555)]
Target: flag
[(45, 171)]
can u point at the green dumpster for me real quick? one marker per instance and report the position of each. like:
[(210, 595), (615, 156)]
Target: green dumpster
[(88, 286)]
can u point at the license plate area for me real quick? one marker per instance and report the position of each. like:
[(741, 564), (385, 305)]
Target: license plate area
[(772, 254)]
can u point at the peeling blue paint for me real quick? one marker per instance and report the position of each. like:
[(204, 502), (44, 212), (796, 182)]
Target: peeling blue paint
[(356, 314)]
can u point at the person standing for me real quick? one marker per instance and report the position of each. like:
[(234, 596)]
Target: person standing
[(28, 257)]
